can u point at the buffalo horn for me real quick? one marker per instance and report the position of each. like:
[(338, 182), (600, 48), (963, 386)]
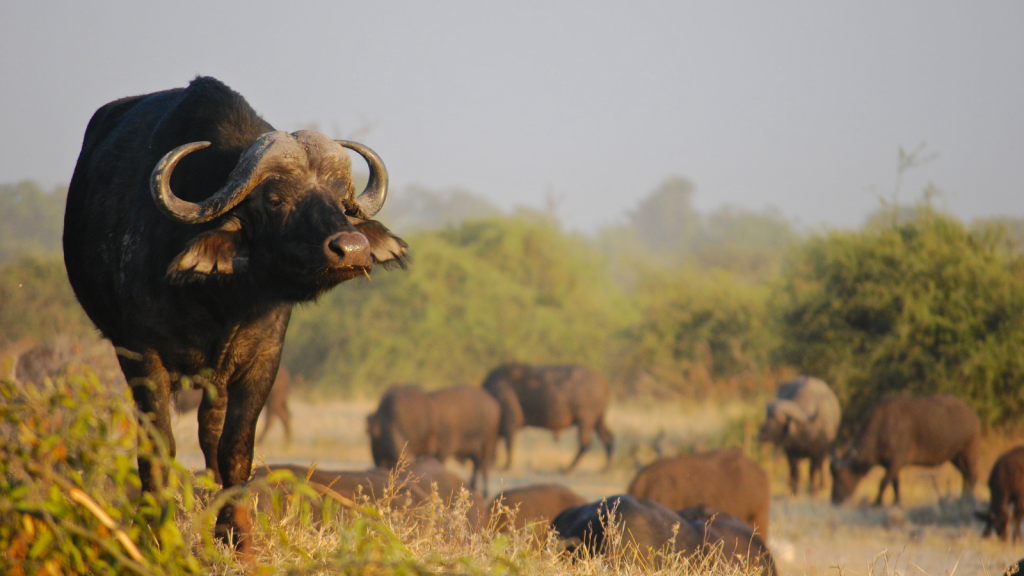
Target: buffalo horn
[(253, 167), (791, 409), (371, 199)]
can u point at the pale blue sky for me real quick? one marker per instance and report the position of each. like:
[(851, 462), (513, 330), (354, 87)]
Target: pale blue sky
[(801, 106)]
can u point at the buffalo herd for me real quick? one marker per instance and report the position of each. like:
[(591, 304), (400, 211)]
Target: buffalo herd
[(193, 227)]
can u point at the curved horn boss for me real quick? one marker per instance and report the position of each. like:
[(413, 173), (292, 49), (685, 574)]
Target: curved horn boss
[(371, 199), (254, 166)]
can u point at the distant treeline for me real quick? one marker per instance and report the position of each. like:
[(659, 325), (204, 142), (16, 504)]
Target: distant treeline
[(671, 302)]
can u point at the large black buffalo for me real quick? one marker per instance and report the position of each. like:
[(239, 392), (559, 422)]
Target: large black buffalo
[(192, 228)]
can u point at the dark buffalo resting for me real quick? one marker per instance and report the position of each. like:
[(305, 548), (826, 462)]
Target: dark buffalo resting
[(640, 527), (192, 228)]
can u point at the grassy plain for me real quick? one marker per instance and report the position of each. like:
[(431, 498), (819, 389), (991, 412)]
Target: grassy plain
[(932, 534)]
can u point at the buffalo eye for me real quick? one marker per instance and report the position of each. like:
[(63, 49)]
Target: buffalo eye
[(276, 201)]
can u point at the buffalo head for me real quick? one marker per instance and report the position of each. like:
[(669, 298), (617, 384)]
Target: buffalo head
[(782, 422), (288, 213), (847, 472)]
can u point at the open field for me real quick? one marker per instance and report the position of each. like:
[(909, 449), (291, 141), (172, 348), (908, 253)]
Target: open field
[(933, 533)]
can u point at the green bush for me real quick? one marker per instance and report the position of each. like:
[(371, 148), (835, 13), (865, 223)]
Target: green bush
[(38, 302), (923, 306), (697, 328), (475, 295), (31, 220)]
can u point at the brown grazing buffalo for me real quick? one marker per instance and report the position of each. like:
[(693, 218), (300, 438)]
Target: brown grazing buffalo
[(553, 397), (737, 538), (646, 528), (459, 422), (276, 407), (1006, 483), (724, 479), (919, 430), (539, 503)]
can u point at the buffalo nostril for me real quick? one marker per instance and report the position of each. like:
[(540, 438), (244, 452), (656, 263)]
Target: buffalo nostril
[(348, 245)]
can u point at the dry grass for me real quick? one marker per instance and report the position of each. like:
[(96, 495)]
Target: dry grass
[(932, 534)]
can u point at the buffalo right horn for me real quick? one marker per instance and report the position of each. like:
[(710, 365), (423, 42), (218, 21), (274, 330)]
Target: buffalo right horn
[(253, 167), (371, 199), (791, 409)]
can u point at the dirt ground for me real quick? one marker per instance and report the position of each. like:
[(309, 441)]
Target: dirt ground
[(933, 533)]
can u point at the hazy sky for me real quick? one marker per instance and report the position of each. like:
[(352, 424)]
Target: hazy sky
[(801, 106)]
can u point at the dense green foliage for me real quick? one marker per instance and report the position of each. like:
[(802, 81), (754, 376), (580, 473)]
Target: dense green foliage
[(37, 301), (30, 219), (922, 306), (485, 292), (696, 329)]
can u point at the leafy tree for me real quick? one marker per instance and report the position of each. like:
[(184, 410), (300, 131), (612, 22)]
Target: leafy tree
[(30, 219), (696, 328), (923, 306), (476, 295), (36, 301)]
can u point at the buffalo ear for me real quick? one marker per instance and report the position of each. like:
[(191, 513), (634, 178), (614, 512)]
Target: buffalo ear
[(385, 247), (216, 251)]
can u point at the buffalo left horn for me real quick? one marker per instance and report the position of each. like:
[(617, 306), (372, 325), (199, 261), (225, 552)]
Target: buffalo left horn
[(256, 163), (371, 199)]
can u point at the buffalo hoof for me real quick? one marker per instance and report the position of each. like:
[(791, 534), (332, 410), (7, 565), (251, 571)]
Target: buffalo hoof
[(234, 527)]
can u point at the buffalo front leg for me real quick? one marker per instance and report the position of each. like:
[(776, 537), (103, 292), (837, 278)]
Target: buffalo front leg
[(585, 431), (816, 479), (794, 473), (211, 414), (246, 397), (608, 439), (151, 390), (509, 440)]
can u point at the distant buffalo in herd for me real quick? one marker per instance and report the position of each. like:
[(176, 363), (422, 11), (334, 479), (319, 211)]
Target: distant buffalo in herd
[(803, 421), (553, 397), (1006, 484), (920, 430), (457, 422)]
